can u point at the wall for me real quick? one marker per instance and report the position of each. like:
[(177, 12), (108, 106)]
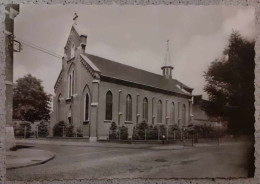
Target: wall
[(103, 126), (83, 84)]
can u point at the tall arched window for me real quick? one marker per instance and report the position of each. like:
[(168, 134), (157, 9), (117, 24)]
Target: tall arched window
[(109, 105), (172, 113), (183, 114), (72, 51), (159, 112), (86, 107), (128, 108), (72, 82), (145, 109)]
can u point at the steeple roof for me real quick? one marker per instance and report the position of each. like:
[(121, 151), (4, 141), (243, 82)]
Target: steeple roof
[(167, 59)]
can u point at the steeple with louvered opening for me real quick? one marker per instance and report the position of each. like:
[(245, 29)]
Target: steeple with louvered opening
[(167, 68)]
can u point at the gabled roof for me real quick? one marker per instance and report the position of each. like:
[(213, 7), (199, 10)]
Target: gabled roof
[(120, 72)]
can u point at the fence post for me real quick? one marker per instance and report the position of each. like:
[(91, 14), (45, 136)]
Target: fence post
[(25, 132), (145, 134), (76, 132), (158, 133), (167, 133), (119, 133), (37, 128), (63, 131), (181, 135), (192, 139), (133, 134), (174, 136)]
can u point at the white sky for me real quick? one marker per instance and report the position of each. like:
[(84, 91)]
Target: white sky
[(134, 35)]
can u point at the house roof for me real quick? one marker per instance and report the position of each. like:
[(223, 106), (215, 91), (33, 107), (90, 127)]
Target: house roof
[(114, 70)]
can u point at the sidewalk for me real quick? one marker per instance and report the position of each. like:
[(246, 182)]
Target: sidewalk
[(27, 157)]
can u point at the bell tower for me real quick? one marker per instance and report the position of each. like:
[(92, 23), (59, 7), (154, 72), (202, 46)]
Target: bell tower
[(167, 68)]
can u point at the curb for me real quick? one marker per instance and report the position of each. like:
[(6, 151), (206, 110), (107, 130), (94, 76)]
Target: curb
[(33, 164)]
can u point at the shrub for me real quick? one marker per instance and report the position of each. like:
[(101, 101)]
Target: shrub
[(123, 132), (19, 129), (79, 132), (113, 131), (43, 129), (162, 131), (152, 133), (58, 129), (70, 130), (139, 131)]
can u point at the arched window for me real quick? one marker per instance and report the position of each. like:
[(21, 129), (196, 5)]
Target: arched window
[(72, 51), (72, 82), (109, 105), (145, 109), (183, 114), (159, 112), (172, 113), (86, 107), (69, 88), (128, 108)]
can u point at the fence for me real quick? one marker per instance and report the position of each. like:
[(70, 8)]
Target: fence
[(164, 133), (28, 132)]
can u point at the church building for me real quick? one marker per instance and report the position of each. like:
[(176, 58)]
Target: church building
[(91, 92)]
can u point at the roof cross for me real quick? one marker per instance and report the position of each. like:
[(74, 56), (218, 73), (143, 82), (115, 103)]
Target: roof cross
[(75, 18)]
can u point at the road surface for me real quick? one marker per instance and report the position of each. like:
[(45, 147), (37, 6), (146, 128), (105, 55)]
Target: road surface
[(88, 162)]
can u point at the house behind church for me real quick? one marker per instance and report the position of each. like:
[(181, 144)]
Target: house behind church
[(91, 92)]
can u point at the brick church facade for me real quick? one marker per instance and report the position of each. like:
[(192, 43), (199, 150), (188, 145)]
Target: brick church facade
[(91, 92)]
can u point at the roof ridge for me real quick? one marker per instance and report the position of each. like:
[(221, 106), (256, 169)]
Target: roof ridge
[(146, 74), (127, 65)]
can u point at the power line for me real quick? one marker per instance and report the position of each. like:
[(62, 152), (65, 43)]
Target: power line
[(28, 44)]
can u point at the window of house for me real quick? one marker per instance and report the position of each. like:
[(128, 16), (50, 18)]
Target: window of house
[(145, 109), (172, 113), (159, 112), (71, 83), (109, 105), (69, 88), (128, 108), (86, 107), (72, 51), (183, 114)]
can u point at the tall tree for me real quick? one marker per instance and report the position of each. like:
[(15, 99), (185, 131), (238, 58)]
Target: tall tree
[(230, 85), (30, 102)]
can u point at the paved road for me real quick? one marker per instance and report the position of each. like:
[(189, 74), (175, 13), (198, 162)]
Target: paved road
[(81, 162)]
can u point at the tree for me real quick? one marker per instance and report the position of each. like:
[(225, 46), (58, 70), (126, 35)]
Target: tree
[(59, 129), (43, 129), (230, 85), (30, 102), (113, 131)]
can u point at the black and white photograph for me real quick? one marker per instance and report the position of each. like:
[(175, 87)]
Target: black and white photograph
[(110, 91)]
